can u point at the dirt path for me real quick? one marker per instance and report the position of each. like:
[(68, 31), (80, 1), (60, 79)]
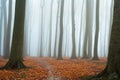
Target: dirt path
[(46, 65)]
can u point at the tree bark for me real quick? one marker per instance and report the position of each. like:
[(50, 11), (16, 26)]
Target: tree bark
[(90, 25), (1, 21), (79, 44), (95, 56), (8, 32), (41, 36), (112, 70), (50, 32), (73, 32), (57, 18), (61, 32), (15, 60)]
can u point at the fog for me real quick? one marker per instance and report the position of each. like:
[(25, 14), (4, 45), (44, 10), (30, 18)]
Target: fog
[(33, 21)]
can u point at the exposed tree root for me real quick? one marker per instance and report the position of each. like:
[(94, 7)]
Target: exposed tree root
[(104, 75), (14, 65)]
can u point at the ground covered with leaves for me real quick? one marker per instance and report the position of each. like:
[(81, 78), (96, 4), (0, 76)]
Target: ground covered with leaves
[(52, 69)]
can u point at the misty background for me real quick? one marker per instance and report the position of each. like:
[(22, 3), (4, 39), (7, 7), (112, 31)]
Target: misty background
[(33, 21)]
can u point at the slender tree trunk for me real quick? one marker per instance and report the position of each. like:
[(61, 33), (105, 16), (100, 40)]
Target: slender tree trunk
[(73, 33), (8, 31), (15, 60), (66, 41), (50, 32), (95, 57), (85, 55), (57, 18), (61, 31), (79, 44), (1, 20), (5, 21), (41, 42), (90, 25)]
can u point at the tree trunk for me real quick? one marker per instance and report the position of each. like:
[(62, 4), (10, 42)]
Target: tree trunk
[(95, 57), (1, 20), (61, 31), (90, 25), (41, 42), (50, 32), (85, 42), (5, 21), (79, 44), (15, 60), (8, 32), (57, 18), (73, 33), (112, 70)]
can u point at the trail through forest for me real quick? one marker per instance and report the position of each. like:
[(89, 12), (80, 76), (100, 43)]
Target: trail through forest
[(46, 65), (52, 69)]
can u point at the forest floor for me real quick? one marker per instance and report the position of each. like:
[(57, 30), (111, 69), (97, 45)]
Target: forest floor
[(52, 69)]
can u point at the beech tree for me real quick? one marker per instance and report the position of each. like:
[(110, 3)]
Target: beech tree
[(15, 60), (79, 43), (57, 18), (41, 37), (61, 31), (112, 70), (8, 31), (73, 32), (95, 56), (50, 32), (1, 17)]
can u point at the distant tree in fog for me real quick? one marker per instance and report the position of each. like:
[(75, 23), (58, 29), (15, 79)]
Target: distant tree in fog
[(73, 32), (95, 56), (61, 31), (8, 32)]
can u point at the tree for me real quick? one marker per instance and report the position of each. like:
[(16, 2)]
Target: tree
[(73, 33), (15, 60), (66, 40), (1, 19), (41, 37), (89, 25), (79, 44), (57, 18), (50, 32), (87, 46), (95, 57), (61, 31), (85, 55), (8, 31), (5, 20), (112, 70)]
